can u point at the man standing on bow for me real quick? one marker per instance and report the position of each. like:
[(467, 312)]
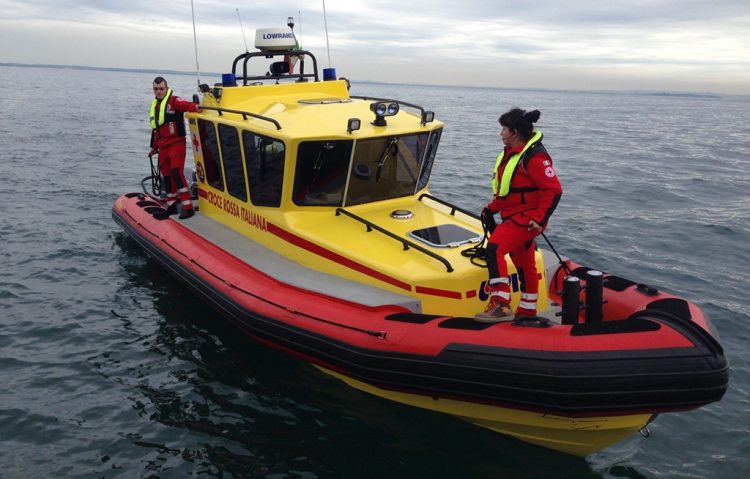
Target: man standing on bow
[(168, 140)]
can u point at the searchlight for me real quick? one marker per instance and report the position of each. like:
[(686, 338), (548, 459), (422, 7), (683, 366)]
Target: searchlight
[(383, 109)]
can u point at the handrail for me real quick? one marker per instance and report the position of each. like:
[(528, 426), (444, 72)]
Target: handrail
[(244, 114), (270, 54), (404, 242), (453, 207), (358, 97)]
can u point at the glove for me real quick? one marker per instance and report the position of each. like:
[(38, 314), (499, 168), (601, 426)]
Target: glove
[(488, 220)]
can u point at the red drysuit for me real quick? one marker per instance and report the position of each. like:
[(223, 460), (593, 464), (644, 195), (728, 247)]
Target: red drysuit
[(168, 138), (533, 195)]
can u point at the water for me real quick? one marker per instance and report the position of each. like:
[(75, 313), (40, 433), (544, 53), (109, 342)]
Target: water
[(111, 368)]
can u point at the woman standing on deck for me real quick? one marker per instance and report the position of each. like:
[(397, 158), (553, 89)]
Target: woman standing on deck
[(526, 192)]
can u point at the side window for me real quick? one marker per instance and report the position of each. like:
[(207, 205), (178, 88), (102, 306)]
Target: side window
[(230, 153), (322, 168), (264, 160), (210, 150)]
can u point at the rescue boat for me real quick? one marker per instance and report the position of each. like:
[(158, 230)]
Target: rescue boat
[(316, 234)]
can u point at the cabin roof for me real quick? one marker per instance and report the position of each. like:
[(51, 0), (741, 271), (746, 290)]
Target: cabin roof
[(312, 110)]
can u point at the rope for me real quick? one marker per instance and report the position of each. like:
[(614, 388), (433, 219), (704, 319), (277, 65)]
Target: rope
[(156, 180), (478, 254)]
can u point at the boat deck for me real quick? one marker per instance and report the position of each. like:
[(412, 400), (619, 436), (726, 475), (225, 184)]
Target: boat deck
[(295, 274)]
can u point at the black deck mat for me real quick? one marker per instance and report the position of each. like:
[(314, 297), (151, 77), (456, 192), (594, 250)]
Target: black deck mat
[(464, 323), (413, 318)]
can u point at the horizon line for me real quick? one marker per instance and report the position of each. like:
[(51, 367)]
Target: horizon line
[(675, 93)]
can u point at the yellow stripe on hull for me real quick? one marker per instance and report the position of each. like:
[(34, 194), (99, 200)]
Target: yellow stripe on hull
[(575, 436)]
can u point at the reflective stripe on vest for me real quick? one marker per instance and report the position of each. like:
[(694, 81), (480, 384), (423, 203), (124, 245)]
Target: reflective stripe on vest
[(156, 122), (501, 187)]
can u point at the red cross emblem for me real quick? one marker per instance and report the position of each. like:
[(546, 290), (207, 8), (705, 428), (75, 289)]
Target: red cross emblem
[(200, 171)]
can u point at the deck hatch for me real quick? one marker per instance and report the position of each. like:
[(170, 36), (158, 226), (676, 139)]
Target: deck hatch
[(445, 236)]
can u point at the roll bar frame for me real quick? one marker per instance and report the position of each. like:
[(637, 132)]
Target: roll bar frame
[(301, 76)]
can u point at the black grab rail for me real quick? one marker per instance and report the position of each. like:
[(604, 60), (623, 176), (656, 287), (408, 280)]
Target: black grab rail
[(422, 111), (453, 207), (412, 105), (244, 114), (404, 242), (301, 76)]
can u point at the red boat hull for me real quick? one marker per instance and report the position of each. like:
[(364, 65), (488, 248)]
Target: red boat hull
[(652, 353)]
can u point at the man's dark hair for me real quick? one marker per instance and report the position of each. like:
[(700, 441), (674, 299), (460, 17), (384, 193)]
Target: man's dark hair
[(158, 80)]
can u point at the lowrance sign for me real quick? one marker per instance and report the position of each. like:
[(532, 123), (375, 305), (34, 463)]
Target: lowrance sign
[(274, 39)]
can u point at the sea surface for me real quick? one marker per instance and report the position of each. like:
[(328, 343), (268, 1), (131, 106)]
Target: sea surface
[(111, 368)]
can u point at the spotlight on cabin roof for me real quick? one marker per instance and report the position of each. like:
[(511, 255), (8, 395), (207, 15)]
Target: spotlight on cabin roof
[(353, 125), (383, 109)]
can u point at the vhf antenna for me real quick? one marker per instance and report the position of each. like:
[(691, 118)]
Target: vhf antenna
[(195, 42), (328, 45), (242, 29)]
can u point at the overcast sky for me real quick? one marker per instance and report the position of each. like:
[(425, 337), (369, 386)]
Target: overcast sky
[(674, 45)]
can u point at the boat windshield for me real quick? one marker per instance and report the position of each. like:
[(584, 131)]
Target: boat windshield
[(377, 169), (322, 167)]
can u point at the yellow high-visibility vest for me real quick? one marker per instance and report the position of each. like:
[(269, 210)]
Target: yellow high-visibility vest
[(501, 187), (157, 121)]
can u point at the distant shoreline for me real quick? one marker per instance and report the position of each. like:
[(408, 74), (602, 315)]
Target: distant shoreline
[(179, 72), (105, 69)]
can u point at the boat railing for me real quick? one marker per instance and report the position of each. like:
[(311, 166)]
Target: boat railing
[(453, 207), (404, 242), (424, 115), (244, 114), (281, 72)]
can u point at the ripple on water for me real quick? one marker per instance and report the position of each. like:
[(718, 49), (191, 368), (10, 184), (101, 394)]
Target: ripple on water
[(114, 369)]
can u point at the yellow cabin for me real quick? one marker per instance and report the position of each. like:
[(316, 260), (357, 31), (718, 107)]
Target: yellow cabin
[(325, 179)]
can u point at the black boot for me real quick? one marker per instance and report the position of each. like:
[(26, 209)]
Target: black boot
[(185, 214), (172, 209)]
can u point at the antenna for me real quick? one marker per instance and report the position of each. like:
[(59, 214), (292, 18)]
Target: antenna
[(242, 29), (299, 14), (328, 46), (195, 42)]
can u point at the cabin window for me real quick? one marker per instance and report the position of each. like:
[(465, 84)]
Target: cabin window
[(429, 158), (384, 168), (264, 159), (232, 156), (322, 168), (210, 151)]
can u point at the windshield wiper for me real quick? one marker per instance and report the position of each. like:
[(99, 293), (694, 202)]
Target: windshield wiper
[(384, 156)]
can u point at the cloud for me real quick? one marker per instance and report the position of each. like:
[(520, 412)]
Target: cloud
[(649, 44)]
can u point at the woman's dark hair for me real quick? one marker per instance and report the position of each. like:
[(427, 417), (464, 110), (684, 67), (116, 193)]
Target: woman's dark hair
[(520, 120)]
